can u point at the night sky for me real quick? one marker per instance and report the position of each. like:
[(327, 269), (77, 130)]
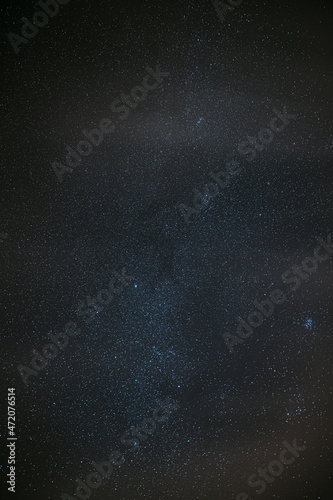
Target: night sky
[(148, 275)]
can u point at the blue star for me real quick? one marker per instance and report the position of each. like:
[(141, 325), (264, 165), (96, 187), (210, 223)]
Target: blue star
[(308, 324)]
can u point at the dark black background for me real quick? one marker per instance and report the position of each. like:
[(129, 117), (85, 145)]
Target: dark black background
[(120, 208)]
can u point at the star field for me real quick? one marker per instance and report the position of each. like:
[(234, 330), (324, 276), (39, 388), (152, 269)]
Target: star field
[(162, 335)]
